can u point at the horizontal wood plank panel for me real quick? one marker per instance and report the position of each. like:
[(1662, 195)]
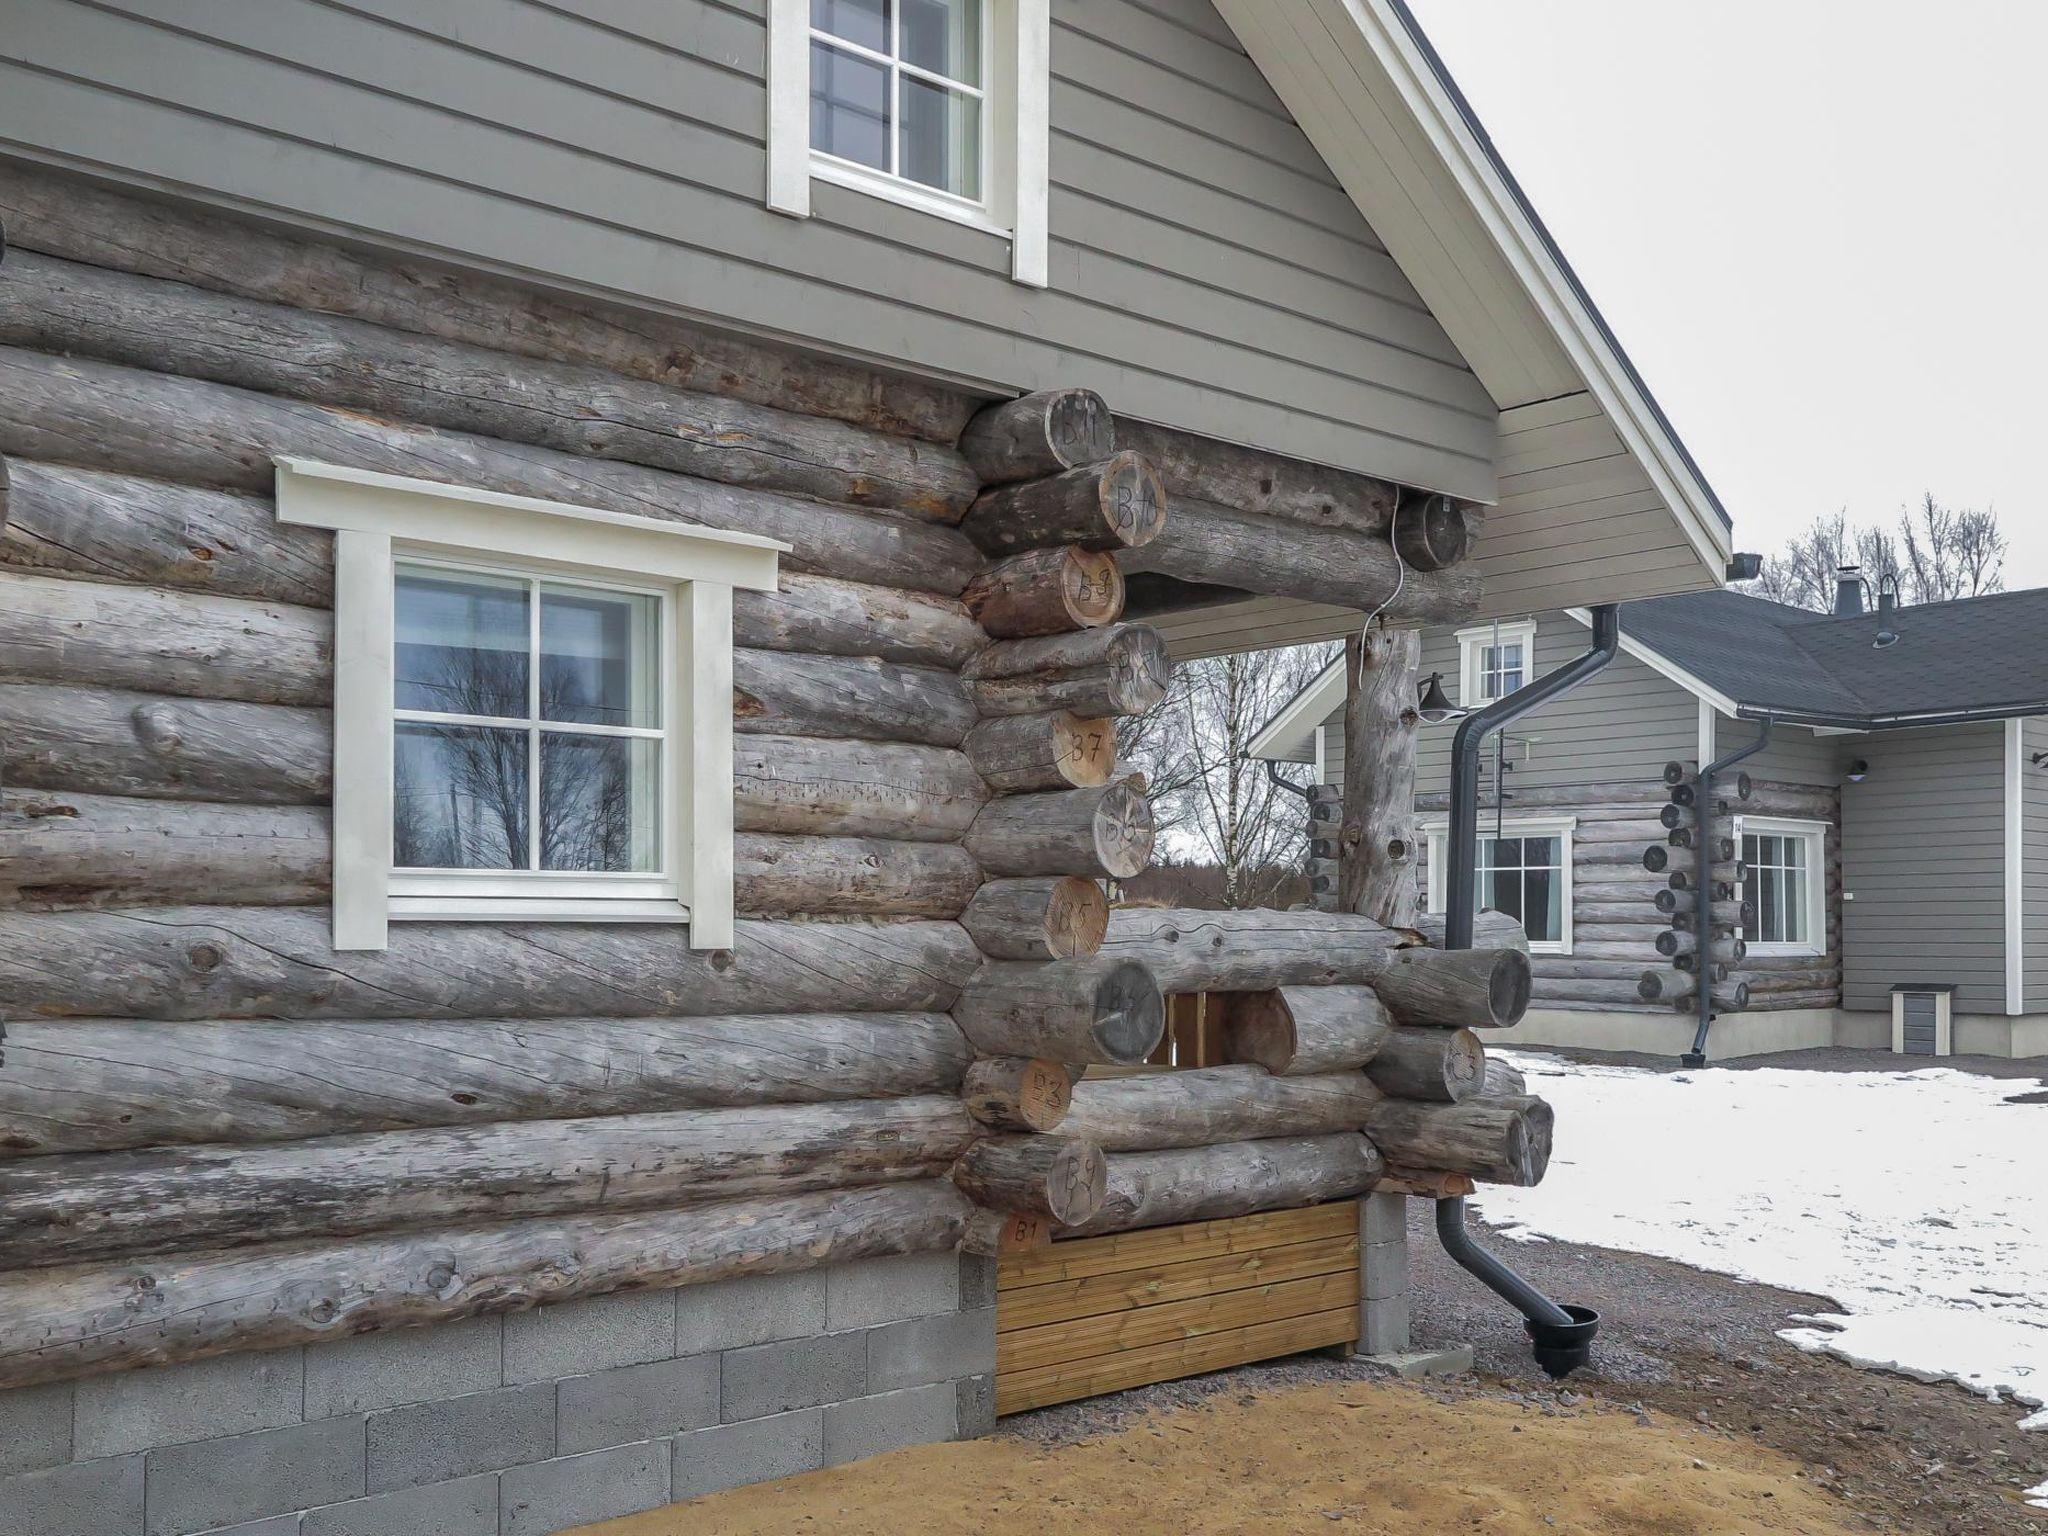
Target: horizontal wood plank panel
[(1028, 1349), (1064, 1301), (1078, 1258)]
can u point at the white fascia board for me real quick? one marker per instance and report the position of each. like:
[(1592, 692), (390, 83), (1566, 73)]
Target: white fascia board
[(1666, 668), (1288, 730), (2015, 867)]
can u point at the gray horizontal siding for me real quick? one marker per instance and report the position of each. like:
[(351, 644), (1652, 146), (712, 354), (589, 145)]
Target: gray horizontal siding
[(1794, 756), (2034, 866), (1208, 271), (1923, 866)]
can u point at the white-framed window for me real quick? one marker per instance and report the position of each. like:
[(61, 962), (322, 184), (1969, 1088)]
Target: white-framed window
[(1494, 660), (1524, 870), (941, 105), (1786, 883), (532, 706)]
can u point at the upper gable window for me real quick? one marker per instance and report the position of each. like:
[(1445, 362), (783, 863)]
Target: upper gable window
[(937, 104), (1494, 660)]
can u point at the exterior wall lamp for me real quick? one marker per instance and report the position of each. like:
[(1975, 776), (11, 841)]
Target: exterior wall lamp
[(1435, 705), (1859, 770)]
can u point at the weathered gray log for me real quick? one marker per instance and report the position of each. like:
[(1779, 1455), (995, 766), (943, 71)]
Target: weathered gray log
[(787, 694), (1440, 1066), (1295, 1030), (1680, 941), (121, 528), (1203, 1106), (1004, 1234), (97, 1085), (1058, 1177), (1503, 1080), (1039, 435), (1497, 1141), (1016, 753), (1094, 1010), (1490, 930), (254, 962), (89, 634), (1016, 1093), (1154, 1189), (1116, 504), (1716, 971), (1119, 670), (1431, 531), (1047, 592), (851, 618), (99, 741), (1263, 483), (811, 784), (1720, 887), (1470, 988), (53, 305), (1680, 905), (56, 1324), (850, 876), (59, 850), (1377, 842), (1039, 917), (1251, 951), (132, 421), (1106, 831), (1221, 546), (1679, 988), (63, 215), (76, 1208)]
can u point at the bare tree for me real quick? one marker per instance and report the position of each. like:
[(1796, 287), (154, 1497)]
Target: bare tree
[(1937, 553)]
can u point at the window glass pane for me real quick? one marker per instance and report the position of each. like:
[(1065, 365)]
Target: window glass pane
[(858, 21), (943, 36), (1767, 919), (598, 804), (597, 657), (1539, 852), (459, 798), (461, 643), (849, 107), (941, 138), (1542, 918)]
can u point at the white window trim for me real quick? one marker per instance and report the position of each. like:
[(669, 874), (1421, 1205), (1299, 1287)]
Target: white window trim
[(1815, 834), (1016, 133), (378, 519), (1563, 828), (1471, 651)]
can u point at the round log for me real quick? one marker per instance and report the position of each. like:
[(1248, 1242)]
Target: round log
[(783, 693), (1503, 1080), (1192, 950), (1456, 988), (1681, 941), (1041, 434), (850, 876), (1430, 531), (1106, 831), (1040, 917), (1015, 1093), (71, 1209), (1154, 1189), (1680, 905), (1046, 592), (1116, 504), (1718, 890), (1496, 1141), (98, 1085), (58, 1324), (1058, 1177), (1676, 772), (852, 618), (1098, 1010), (1490, 930), (1203, 1106), (1441, 1066), (1016, 753), (1294, 1030), (1378, 844), (1119, 670), (1252, 480), (815, 785), (1005, 1234)]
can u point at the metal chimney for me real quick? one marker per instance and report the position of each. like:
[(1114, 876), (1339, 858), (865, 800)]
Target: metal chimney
[(1848, 590)]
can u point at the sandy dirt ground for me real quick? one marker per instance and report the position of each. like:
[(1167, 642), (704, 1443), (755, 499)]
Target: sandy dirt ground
[(1364, 1456)]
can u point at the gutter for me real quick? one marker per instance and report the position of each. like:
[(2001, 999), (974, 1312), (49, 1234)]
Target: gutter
[(1703, 893), (1891, 722)]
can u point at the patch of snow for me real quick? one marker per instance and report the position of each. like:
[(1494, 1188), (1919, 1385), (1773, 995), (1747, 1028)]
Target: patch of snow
[(2038, 1497), (1915, 1202)]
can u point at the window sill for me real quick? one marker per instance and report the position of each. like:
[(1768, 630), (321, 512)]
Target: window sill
[(1549, 948), (909, 194), (484, 909), (1762, 951)]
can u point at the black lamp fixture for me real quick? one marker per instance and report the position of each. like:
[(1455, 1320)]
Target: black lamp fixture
[(1435, 705), (1859, 770), (2039, 759)]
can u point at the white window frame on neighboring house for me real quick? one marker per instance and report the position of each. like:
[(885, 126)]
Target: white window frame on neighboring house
[(1474, 676), (1015, 133), (381, 521), (1563, 828), (1814, 903)]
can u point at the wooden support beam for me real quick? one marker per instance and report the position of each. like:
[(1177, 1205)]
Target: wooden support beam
[(1378, 847)]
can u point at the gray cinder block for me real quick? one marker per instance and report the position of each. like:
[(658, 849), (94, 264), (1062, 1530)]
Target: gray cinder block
[(465, 1507), (871, 1291), (408, 1365), (977, 1281), (574, 1490), (103, 1495), (1383, 1271), (276, 1525), (35, 1427), (636, 1402), (437, 1442), (1385, 1219), (753, 1309), (796, 1373), (574, 1337), (707, 1460), (974, 1400), (1385, 1326), (924, 1350), (196, 1400), (868, 1426), (248, 1477)]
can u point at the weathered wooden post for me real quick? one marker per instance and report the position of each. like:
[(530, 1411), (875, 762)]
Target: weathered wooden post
[(1376, 845)]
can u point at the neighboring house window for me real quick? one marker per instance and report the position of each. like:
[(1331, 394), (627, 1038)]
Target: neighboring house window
[(937, 104), (1786, 884), (1524, 870), (532, 706), (1494, 660)]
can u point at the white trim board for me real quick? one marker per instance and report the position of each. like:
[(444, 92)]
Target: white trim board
[(2015, 867), (1307, 710), (1665, 668)]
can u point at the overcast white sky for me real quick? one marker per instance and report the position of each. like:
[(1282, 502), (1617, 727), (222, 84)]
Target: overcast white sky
[(1820, 228)]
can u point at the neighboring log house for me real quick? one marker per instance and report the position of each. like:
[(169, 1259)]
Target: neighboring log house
[(1885, 851), (565, 589)]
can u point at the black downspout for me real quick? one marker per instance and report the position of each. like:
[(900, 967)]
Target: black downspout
[(1703, 897), (1563, 1335)]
